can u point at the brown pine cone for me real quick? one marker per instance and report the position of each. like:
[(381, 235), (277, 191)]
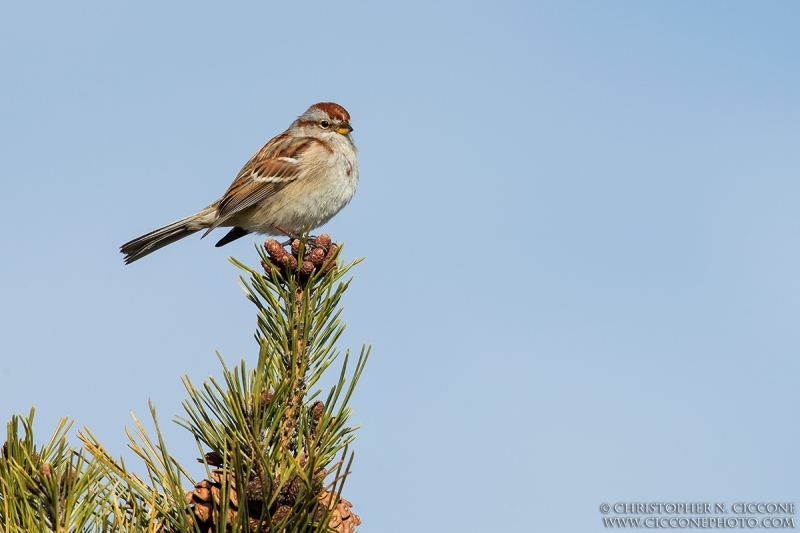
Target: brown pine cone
[(290, 490), (255, 493), (200, 501), (317, 408), (331, 252), (213, 458), (307, 268), (342, 519), (206, 496), (219, 477), (317, 256), (274, 249), (281, 512), (323, 240)]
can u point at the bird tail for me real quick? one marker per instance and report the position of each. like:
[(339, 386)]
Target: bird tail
[(156, 239)]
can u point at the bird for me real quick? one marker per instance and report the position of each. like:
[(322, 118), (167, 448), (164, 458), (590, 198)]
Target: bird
[(297, 182)]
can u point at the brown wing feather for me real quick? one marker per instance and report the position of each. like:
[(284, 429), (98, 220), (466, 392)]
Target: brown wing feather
[(267, 172)]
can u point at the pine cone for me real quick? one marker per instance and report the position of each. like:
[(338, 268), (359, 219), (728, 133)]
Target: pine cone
[(342, 519), (317, 408), (323, 241), (329, 256), (212, 458), (306, 268), (206, 496), (320, 251), (199, 500)]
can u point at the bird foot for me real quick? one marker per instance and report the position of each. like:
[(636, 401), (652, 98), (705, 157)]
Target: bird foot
[(313, 241)]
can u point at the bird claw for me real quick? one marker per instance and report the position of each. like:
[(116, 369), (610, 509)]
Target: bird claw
[(311, 241)]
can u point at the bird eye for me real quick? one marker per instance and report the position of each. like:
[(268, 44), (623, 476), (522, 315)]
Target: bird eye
[(324, 124)]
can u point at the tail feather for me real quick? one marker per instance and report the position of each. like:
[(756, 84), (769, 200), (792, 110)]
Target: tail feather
[(232, 235), (156, 239)]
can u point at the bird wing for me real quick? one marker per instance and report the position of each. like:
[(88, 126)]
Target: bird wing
[(268, 171)]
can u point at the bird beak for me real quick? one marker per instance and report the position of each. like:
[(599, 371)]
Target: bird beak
[(344, 128)]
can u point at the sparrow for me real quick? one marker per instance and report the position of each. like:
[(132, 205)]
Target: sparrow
[(297, 182)]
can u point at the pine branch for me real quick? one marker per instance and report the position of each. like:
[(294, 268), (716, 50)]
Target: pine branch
[(271, 444), (53, 487), (277, 455)]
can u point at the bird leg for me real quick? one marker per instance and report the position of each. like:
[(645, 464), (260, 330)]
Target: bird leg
[(286, 232), (310, 243)]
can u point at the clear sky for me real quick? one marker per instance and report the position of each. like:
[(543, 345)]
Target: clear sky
[(580, 221)]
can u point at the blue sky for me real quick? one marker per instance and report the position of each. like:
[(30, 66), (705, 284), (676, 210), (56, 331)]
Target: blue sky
[(579, 219)]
